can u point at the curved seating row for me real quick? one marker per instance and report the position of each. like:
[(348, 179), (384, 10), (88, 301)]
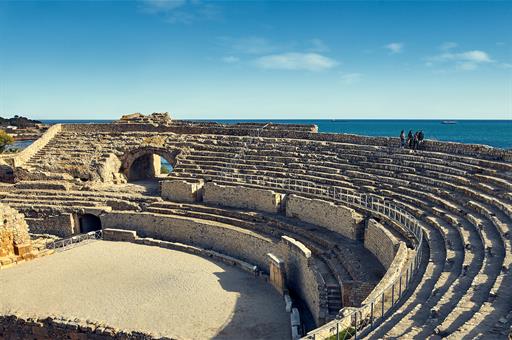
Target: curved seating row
[(464, 205)]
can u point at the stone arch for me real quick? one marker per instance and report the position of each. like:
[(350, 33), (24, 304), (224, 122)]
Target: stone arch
[(89, 222), (144, 162)]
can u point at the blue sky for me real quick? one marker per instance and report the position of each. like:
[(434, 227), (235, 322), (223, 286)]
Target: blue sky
[(236, 60)]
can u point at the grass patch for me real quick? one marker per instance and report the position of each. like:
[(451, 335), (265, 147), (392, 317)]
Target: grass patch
[(347, 333)]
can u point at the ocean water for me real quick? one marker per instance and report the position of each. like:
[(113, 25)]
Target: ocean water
[(497, 133)]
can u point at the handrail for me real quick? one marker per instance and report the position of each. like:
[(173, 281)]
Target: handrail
[(357, 320), (71, 242)]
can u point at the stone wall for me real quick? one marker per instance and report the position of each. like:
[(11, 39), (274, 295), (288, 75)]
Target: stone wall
[(108, 171), (237, 242), (397, 267), (302, 275), (180, 190), (15, 243), (119, 235), (242, 197), (474, 150), (14, 327), (62, 225), (340, 219), (354, 292), (380, 242), (24, 155)]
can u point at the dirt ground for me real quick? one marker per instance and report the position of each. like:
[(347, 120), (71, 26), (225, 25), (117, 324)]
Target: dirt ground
[(136, 287)]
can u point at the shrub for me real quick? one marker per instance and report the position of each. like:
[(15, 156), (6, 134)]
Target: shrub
[(5, 139), (346, 333), (164, 170)]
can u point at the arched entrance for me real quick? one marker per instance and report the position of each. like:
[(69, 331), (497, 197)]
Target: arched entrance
[(148, 163), (89, 222)]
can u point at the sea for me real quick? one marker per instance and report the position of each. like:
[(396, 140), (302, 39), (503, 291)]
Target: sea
[(496, 133)]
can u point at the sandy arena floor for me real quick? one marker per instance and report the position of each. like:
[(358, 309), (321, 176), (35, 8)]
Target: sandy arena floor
[(137, 287)]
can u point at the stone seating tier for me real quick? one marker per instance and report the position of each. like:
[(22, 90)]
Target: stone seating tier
[(434, 186)]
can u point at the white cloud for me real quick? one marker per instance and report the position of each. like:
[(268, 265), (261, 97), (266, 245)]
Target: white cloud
[(472, 56), (448, 45), (466, 66), (351, 78), (231, 59), (395, 47), (317, 45), (181, 11), (296, 61), (465, 61), (475, 56)]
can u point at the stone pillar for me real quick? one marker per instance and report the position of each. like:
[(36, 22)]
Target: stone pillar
[(277, 273), (156, 167), (144, 167)]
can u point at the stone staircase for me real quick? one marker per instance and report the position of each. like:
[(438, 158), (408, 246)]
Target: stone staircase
[(463, 202)]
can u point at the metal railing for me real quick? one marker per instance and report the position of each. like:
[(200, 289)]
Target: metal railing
[(368, 316), (73, 241)]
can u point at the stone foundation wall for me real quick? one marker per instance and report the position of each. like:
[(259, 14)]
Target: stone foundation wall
[(182, 190), (304, 278), (302, 275), (242, 197), (354, 292), (236, 242), (14, 327), (338, 218), (62, 225), (380, 242), (399, 265)]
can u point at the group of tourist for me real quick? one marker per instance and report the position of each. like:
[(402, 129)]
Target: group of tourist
[(413, 141)]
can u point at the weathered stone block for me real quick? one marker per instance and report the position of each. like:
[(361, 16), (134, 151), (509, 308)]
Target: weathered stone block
[(22, 249), (119, 235), (62, 225), (182, 190), (242, 197), (343, 220), (380, 242), (277, 273)]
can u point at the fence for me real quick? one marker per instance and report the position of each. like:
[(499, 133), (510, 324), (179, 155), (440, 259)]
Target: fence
[(368, 316), (71, 242)]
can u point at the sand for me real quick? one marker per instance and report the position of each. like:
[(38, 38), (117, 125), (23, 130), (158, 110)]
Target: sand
[(136, 287)]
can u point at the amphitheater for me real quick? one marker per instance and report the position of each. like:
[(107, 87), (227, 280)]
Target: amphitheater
[(259, 231)]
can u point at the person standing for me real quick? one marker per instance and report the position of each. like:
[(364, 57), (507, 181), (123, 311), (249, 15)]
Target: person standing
[(421, 137), (410, 139), (415, 141), (402, 139)]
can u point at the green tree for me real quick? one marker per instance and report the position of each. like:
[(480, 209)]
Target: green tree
[(5, 139)]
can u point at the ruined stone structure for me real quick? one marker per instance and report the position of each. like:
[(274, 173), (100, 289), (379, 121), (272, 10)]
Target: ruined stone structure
[(14, 238), (347, 224), (16, 245)]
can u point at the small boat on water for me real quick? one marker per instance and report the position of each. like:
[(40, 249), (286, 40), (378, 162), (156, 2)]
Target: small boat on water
[(448, 122)]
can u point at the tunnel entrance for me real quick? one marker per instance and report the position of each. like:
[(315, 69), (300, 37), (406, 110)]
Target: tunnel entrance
[(89, 222), (148, 163), (149, 166)]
